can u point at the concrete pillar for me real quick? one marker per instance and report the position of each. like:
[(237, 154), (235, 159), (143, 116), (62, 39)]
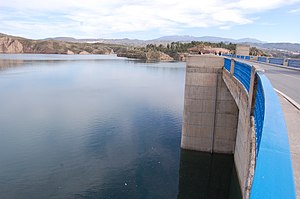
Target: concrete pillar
[(210, 112), (254, 58), (232, 66), (285, 61)]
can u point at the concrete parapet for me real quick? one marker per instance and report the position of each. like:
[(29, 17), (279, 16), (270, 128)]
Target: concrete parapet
[(242, 154)]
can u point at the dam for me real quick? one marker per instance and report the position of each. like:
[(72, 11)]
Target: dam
[(230, 107)]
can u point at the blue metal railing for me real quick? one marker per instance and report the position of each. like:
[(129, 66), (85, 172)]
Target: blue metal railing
[(294, 63), (272, 60), (237, 56), (259, 112), (227, 55), (278, 61), (262, 59), (227, 64), (273, 176), (242, 72)]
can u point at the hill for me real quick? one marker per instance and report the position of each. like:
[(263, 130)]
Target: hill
[(12, 44)]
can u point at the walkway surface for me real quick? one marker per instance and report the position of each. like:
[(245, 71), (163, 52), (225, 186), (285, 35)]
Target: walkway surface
[(292, 119), (285, 80)]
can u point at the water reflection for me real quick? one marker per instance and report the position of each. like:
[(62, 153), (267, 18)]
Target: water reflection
[(7, 63), (84, 128), (206, 176)]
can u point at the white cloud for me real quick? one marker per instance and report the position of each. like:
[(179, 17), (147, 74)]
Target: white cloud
[(295, 11), (225, 27), (261, 5), (101, 17)]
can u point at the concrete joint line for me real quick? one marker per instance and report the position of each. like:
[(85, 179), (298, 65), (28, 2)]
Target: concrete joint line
[(214, 128), (252, 163), (293, 102)]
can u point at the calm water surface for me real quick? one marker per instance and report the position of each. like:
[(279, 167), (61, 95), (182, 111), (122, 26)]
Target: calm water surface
[(100, 127)]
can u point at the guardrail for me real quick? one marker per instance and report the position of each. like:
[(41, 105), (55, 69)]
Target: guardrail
[(262, 59), (278, 61), (227, 64), (242, 72), (259, 113), (273, 175), (237, 56), (295, 63)]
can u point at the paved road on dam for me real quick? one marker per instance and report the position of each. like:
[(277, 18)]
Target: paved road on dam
[(285, 80)]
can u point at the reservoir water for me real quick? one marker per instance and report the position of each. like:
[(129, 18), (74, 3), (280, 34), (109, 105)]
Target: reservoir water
[(99, 126)]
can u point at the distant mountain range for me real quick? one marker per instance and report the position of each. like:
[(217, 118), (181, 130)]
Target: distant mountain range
[(186, 38), (183, 38), (165, 39)]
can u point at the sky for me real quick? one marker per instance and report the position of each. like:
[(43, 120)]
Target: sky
[(266, 20)]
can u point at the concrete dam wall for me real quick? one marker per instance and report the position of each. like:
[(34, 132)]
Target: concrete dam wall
[(228, 107), (210, 113)]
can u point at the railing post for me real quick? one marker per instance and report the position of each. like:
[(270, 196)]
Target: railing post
[(285, 61), (251, 85), (254, 88), (254, 58), (232, 66)]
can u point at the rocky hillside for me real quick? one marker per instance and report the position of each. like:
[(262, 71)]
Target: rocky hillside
[(11, 44)]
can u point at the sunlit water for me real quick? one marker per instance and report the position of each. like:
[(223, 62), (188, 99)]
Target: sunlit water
[(100, 127)]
